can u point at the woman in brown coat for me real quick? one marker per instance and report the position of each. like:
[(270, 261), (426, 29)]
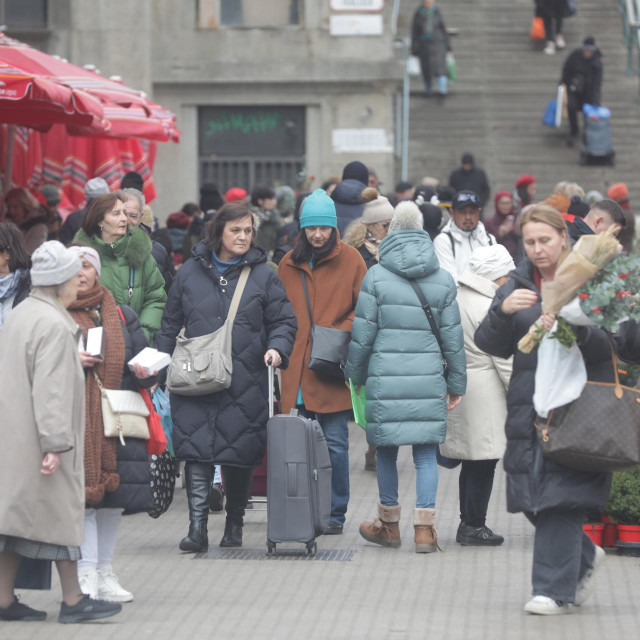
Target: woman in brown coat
[(333, 273)]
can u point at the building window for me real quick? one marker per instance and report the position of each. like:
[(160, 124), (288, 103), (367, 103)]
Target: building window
[(245, 146), (23, 14), (248, 13)]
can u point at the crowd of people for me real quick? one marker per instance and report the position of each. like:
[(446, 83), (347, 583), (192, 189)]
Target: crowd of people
[(435, 293)]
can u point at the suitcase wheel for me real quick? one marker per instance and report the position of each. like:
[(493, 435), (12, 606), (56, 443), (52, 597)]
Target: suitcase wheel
[(311, 549), (271, 548)]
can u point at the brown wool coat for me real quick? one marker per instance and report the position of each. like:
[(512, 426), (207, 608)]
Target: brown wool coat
[(42, 409), (333, 284)]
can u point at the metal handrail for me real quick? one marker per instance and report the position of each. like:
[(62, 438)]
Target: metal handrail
[(630, 10)]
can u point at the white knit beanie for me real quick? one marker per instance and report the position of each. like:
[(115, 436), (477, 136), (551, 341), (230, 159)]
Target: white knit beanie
[(53, 264), (491, 262), (378, 210), (89, 254), (406, 216)]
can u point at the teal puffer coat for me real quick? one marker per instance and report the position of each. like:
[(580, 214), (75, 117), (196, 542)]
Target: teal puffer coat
[(393, 350)]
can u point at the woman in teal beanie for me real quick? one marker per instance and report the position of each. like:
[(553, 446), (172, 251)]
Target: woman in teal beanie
[(333, 272)]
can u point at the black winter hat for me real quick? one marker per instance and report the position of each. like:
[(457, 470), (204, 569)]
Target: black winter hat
[(467, 158), (589, 43), (132, 180), (356, 170), (578, 207), (210, 198)]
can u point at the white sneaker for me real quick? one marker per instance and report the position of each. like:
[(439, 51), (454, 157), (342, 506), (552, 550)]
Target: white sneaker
[(560, 43), (585, 584), (543, 606), (109, 588), (88, 579), (550, 48)]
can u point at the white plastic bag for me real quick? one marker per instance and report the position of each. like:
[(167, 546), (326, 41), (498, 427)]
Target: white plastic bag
[(560, 375), (413, 66), (572, 312)]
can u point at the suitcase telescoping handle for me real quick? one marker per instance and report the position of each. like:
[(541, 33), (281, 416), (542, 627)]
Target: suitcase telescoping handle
[(271, 386)]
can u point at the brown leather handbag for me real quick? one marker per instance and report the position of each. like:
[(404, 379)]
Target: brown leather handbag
[(598, 432)]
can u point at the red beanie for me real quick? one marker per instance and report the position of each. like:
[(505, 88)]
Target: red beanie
[(618, 192), (525, 180), (234, 194)]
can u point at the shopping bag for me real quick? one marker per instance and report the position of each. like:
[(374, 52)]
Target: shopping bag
[(163, 407), (549, 115), (413, 66), (157, 442), (452, 72), (358, 401), (537, 29), (560, 374)]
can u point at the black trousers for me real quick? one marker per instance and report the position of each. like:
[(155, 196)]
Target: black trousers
[(476, 483)]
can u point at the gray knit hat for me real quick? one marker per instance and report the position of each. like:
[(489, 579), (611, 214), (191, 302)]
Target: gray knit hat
[(378, 210), (406, 216), (53, 264), (89, 254), (95, 187)]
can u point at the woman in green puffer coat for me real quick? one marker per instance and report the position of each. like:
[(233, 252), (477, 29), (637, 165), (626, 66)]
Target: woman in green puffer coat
[(129, 270), (396, 355)]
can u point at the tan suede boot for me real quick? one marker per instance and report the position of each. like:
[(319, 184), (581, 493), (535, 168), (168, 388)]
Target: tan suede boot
[(425, 537), (385, 529)]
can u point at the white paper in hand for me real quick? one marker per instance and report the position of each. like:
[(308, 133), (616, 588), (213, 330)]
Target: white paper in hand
[(560, 375)]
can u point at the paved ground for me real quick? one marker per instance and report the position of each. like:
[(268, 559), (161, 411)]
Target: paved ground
[(380, 593)]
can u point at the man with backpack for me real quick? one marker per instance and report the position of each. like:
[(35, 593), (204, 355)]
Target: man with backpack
[(462, 234)]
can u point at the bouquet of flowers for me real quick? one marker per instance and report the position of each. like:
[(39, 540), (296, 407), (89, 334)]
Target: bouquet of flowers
[(590, 254), (613, 294)]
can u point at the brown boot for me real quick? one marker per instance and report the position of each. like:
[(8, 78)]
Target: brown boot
[(385, 529), (425, 537)]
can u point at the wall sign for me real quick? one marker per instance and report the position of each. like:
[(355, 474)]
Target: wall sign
[(355, 6), (355, 24)]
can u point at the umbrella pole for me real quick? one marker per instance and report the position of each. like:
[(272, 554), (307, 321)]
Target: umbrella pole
[(8, 159)]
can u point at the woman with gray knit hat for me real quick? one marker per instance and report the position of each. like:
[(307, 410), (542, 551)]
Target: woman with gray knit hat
[(399, 357), (475, 428), (42, 433)]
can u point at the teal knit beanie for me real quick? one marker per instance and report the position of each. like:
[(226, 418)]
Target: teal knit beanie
[(318, 210)]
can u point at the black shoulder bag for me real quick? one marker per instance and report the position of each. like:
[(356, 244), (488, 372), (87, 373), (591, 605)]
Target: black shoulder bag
[(329, 346)]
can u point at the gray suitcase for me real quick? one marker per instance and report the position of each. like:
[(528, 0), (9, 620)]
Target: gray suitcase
[(298, 480)]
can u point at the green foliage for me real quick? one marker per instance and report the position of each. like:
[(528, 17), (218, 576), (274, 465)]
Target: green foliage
[(564, 334), (613, 294), (624, 501)]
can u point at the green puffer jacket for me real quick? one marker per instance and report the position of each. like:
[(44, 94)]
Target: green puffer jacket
[(393, 351), (132, 250)]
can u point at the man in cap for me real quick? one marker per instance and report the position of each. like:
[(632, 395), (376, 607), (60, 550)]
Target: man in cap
[(468, 177), (94, 188), (462, 234), (582, 76)]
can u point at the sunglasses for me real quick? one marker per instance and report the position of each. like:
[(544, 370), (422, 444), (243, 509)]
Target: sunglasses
[(471, 198)]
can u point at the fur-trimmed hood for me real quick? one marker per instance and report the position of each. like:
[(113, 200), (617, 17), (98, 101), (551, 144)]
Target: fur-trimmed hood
[(134, 246), (355, 234)]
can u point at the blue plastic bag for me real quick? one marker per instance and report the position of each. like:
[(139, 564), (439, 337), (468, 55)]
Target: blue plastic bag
[(596, 112), (549, 117), (163, 408)]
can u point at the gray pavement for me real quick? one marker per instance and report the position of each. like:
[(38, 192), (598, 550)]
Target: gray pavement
[(393, 594)]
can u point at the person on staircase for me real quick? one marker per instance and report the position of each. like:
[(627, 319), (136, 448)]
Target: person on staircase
[(462, 234), (552, 13), (582, 76), (397, 354), (430, 42), (468, 177)]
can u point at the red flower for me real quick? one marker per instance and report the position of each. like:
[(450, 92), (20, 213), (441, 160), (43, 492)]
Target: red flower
[(623, 276), (623, 294), (596, 310), (583, 296)]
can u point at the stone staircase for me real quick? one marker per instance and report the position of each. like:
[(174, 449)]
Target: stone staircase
[(504, 84)]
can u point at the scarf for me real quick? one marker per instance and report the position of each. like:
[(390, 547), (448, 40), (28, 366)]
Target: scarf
[(428, 19), (372, 246), (92, 309), (9, 284)]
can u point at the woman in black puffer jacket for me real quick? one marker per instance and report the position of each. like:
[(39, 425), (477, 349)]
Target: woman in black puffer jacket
[(228, 427), (554, 498)]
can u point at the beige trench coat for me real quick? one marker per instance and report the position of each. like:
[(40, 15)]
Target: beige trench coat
[(42, 410), (475, 428)]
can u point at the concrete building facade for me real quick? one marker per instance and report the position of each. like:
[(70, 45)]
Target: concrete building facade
[(264, 90)]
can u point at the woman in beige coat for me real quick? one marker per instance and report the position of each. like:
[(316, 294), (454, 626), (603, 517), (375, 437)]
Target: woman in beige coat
[(475, 428), (42, 435)]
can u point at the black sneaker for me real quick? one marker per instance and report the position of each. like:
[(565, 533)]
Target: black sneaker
[(18, 611), (216, 497), (87, 609), (469, 536), (333, 529)]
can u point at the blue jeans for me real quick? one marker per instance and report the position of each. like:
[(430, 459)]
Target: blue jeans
[(336, 433), (441, 82), (424, 458)]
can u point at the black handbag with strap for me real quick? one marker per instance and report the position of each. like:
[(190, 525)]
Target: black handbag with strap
[(329, 346)]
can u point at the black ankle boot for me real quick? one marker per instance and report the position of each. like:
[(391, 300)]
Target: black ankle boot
[(198, 481), (232, 536)]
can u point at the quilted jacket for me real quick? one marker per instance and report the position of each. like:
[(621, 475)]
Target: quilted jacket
[(533, 482), (393, 350), (228, 427)]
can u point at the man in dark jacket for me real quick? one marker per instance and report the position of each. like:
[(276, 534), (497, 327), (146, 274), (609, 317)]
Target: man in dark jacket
[(346, 195), (582, 75), (470, 178), (599, 218)]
